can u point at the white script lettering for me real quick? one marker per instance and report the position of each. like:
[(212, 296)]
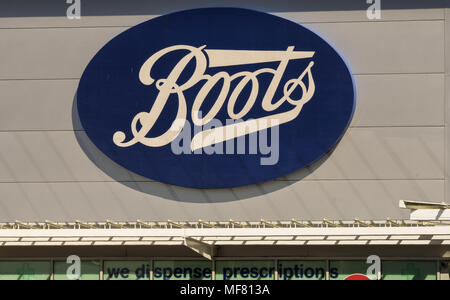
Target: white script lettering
[(171, 86)]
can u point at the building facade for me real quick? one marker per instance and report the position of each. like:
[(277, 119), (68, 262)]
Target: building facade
[(62, 197)]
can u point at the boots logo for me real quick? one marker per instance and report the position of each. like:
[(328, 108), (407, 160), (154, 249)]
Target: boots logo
[(216, 98), (218, 58)]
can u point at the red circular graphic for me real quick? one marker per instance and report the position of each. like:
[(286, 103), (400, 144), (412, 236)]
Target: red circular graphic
[(357, 277)]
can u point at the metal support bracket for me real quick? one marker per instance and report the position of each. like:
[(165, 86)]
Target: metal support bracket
[(206, 250)]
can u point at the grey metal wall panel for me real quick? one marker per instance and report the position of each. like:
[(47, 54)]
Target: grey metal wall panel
[(447, 102), (400, 100), (304, 17), (447, 41), (51, 13), (384, 153), (361, 15), (382, 100), (447, 138), (364, 153), (37, 104), (308, 200), (51, 53), (64, 53), (388, 47), (397, 148)]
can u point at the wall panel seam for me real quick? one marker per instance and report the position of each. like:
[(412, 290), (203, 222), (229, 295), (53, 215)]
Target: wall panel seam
[(356, 74), (286, 17), (446, 106), (350, 127), (275, 180)]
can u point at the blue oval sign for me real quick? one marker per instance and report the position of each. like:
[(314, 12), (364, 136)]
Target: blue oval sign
[(216, 98)]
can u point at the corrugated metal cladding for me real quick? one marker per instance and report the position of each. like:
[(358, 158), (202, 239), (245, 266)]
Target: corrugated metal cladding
[(397, 146)]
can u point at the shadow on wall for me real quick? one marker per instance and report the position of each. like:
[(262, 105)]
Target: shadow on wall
[(57, 8), (144, 185)]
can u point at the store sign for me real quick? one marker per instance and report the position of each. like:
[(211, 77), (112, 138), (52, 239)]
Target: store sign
[(216, 98)]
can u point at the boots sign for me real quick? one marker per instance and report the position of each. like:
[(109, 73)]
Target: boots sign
[(216, 98)]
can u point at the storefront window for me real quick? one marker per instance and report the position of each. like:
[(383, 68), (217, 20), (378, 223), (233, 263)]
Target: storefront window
[(340, 270), (126, 270), (25, 270), (90, 270), (302, 270), (225, 270), (409, 270), (183, 270), (245, 270)]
